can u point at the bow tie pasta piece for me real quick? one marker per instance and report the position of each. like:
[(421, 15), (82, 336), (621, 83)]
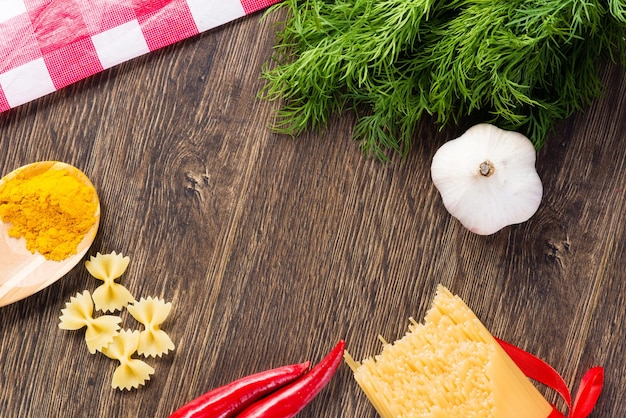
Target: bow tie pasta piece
[(78, 313), (151, 313), (107, 266), (110, 296), (131, 373)]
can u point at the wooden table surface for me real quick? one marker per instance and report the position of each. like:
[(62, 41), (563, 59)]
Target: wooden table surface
[(271, 249)]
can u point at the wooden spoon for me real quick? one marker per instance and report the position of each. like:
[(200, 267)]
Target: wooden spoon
[(23, 273)]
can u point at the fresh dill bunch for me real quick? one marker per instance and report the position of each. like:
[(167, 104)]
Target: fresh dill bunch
[(520, 64)]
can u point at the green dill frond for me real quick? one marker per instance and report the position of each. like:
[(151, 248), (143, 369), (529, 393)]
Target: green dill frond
[(520, 64)]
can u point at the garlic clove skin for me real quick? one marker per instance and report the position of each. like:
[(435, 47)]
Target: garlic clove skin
[(487, 178)]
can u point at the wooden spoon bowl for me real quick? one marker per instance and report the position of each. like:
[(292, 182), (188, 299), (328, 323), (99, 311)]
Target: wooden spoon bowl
[(22, 272)]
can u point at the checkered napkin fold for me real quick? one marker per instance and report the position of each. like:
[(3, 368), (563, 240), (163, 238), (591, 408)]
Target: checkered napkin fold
[(46, 45)]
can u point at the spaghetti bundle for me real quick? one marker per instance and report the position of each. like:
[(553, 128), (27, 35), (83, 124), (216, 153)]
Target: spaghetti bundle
[(449, 366)]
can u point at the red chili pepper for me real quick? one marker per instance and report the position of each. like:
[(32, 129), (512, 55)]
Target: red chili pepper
[(291, 399), (228, 400), (537, 369)]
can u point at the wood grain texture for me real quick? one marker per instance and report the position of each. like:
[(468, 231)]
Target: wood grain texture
[(272, 248)]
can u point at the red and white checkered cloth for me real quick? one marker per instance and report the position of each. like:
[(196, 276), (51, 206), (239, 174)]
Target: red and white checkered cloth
[(46, 45)]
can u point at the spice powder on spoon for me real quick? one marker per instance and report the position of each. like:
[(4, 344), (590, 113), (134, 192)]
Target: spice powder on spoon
[(50, 206)]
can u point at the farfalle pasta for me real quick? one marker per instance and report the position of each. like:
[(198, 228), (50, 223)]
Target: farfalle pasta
[(110, 296), (103, 332), (151, 313), (78, 313), (132, 372)]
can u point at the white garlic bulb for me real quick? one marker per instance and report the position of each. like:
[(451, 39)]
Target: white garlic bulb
[(487, 178)]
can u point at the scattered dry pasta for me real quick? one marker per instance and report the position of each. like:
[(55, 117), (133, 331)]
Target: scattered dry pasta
[(103, 332), (151, 313), (110, 296), (78, 313), (131, 373)]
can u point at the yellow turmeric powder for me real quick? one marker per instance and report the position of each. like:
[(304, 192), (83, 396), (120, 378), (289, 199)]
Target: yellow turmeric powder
[(52, 205)]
